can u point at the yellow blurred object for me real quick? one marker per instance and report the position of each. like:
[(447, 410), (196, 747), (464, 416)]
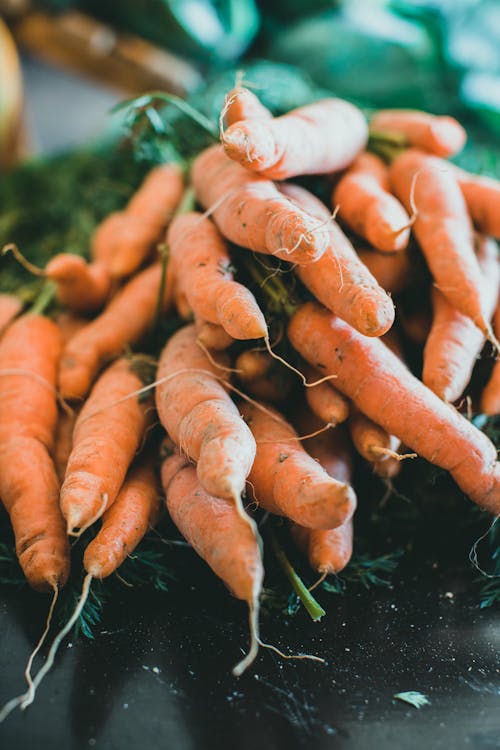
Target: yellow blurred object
[(11, 99)]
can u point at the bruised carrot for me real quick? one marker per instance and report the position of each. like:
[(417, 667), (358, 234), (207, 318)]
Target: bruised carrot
[(242, 104), (202, 269), (124, 240), (385, 390), (123, 322), (443, 136), (339, 280), (367, 206), (286, 481), (454, 343), (81, 287), (107, 434), (201, 418), (482, 196), (10, 307), (443, 229), (29, 488), (124, 524), (394, 272), (315, 139), (324, 399), (250, 211)]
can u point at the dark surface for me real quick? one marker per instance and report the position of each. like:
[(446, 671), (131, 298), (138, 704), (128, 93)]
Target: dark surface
[(158, 672)]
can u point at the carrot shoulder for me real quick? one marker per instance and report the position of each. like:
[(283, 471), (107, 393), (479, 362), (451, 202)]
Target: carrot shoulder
[(385, 390)]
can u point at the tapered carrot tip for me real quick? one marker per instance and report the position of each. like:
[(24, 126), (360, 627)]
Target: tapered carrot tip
[(322, 504), (65, 266), (238, 142), (448, 135), (46, 570)]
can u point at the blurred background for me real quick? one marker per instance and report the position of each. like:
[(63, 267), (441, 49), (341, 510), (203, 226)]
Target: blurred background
[(81, 57)]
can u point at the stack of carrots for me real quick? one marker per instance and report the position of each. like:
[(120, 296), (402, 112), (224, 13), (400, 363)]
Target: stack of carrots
[(76, 412)]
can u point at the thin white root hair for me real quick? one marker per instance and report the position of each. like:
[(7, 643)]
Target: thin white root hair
[(298, 438), (388, 453), (294, 369), (310, 657), (253, 621), (473, 551), (24, 262), (319, 581), (207, 353)]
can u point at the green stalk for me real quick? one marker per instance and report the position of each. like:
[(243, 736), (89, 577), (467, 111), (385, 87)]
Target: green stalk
[(271, 286), (44, 299), (314, 609), (198, 117)]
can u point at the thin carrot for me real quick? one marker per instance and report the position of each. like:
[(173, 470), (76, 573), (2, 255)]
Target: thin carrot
[(318, 138), (107, 434), (324, 399), (29, 488), (328, 550), (242, 104), (285, 480), (262, 378), (212, 336), (443, 136), (63, 441), (252, 364), (367, 206), (385, 390), (454, 343), (201, 418), (393, 272), (250, 211), (339, 280), (482, 196), (10, 307), (215, 529), (124, 524), (443, 229), (202, 268), (375, 445), (123, 322), (81, 287)]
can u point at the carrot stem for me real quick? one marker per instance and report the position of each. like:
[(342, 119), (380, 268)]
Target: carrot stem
[(314, 609), (43, 300)]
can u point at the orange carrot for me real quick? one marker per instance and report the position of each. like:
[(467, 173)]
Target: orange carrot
[(202, 269), (385, 390), (482, 196), (394, 272), (201, 418), (315, 139), (124, 240), (324, 399), (29, 488), (241, 104), (416, 324), (107, 434), (212, 336), (328, 550), (10, 307), (368, 208), (123, 322), (250, 211), (443, 229), (124, 524), (490, 397), (63, 441), (81, 287), (69, 325), (375, 445), (286, 481), (339, 280), (443, 136), (262, 378), (454, 343), (252, 364)]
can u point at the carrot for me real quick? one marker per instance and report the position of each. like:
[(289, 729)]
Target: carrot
[(375, 445), (368, 208), (214, 528), (250, 211), (69, 325), (394, 272), (124, 240), (252, 364), (262, 378), (454, 343), (443, 136), (212, 336), (63, 441), (29, 489), (339, 280), (242, 104), (482, 196), (81, 287), (384, 389), (107, 434), (202, 269), (443, 229), (315, 139), (324, 399), (201, 418), (328, 550), (490, 397), (286, 481), (123, 322), (124, 524), (10, 307)]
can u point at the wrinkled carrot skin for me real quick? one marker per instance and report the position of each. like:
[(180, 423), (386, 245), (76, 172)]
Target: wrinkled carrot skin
[(442, 136), (385, 390), (286, 481), (214, 528), (201, 418), (454, 343), (366, 205), (202, 268), (242, 104), (213, 336), (250, 211), (324, 399), (63, 441), (123, 322), (29, 488), (394, 272), (125, 523), (318, 138), (81, 287), (106, 437), (125, 239), (339, 280), (482, 196), (490, 397), (10, 307), (443, 229)]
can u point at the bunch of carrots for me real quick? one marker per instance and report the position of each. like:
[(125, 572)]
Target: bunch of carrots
[(77, 449)]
